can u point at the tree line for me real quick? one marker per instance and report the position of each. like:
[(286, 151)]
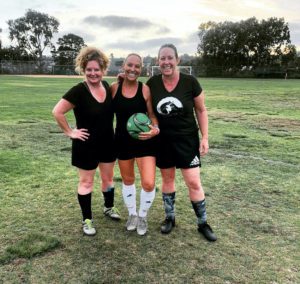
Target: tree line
[(224, 49), (246, 45)]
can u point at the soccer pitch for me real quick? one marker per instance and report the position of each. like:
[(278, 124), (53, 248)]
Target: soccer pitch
[(250, 176)]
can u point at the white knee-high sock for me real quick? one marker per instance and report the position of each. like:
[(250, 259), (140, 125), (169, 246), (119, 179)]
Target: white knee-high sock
[(146, 200), (129, 197)]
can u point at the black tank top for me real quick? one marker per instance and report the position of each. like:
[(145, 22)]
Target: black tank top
[(125, 107)]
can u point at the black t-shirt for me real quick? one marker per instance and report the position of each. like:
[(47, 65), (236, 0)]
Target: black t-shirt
[(89, 113), (175, 110)]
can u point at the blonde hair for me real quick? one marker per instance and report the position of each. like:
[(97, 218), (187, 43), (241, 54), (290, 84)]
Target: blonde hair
[(87, 54), (133, 54)]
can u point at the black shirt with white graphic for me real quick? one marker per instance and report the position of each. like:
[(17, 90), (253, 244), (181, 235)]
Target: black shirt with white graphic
[(175, 109)]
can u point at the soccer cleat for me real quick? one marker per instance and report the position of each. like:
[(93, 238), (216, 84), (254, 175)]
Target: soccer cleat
[(131, 223), (88, 227), (142, 226), (112, 212), (167, 225), (207, 232)]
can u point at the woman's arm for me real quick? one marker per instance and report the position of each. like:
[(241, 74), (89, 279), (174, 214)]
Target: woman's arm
[(59, 111), (154, 126), (202, 119), (114, 88), (147, 97)]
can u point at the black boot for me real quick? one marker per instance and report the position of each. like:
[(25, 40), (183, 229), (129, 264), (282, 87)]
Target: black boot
[(203, 227), (167, 225), (207, 232), (169, 222)]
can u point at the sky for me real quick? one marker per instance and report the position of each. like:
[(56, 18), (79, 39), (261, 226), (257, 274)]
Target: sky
[(124, 26)]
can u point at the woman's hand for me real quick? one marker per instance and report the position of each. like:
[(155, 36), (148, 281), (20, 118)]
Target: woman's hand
[(154, 130), (204, 146), (120, 77), (81, 134)]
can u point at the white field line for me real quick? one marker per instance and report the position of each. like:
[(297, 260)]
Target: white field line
[(243, 156)]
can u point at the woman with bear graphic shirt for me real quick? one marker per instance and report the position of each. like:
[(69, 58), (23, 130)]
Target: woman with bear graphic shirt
[(175, 98)]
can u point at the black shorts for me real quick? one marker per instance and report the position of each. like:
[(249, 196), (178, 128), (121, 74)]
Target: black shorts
[(128, 148), (181, 152), (88, 154)]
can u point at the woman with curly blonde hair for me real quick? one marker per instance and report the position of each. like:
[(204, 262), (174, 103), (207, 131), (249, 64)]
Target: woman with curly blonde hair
[(93, 136)]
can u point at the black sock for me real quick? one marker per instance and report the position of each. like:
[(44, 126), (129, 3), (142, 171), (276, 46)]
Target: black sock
[(169, 204), (85, 202), (200, 210), (109, 197)]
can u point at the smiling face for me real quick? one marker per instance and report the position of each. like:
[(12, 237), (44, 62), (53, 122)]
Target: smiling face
[(132, 67), (167, 61), (93, 72)]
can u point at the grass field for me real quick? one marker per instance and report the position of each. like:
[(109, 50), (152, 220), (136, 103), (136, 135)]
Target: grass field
[(251, 178)]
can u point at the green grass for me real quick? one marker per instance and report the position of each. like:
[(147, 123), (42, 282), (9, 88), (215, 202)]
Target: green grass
[(251, 179), (32, 245)]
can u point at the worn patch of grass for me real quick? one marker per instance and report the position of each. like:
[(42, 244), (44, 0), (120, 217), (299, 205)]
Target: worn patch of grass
[(251, 179), (32, 245)]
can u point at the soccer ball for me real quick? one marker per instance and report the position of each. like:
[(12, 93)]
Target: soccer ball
[(138, 122)]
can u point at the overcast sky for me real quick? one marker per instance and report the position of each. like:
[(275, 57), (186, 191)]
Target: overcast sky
[(123, 26)]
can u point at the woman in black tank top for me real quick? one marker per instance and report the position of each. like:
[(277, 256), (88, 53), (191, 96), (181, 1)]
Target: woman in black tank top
[(131, 96)]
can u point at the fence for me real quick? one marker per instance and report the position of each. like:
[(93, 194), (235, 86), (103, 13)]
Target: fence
[(48, 67), (262, 72), (23, 67)]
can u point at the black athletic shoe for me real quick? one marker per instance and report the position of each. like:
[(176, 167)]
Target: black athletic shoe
[(167, 225), (207, 232)]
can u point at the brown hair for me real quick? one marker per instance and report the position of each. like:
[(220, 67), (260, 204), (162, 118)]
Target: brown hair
[(169, 45), (87, 54)]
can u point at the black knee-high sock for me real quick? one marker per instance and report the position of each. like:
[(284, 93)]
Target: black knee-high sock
[(169, 204), (109, 197), (85, 202), (200, 210)]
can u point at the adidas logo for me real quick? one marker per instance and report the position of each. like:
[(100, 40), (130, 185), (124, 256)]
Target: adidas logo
[(195, 161)]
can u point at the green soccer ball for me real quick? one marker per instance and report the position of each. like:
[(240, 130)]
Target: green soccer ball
[(137, 123)]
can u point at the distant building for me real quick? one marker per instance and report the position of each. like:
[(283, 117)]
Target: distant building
[(115, 65)]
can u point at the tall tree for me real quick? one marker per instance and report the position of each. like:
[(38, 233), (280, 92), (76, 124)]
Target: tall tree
[(289, 56), (33, 33), (274, 36), (68, 47), (247, 43)]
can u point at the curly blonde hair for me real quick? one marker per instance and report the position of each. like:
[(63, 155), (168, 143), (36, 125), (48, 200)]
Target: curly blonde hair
[(90, 53)]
